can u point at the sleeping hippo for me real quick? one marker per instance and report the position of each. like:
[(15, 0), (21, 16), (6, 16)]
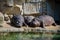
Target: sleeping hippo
[(18, 20), (42, 21), (47, 20), (28, 19)]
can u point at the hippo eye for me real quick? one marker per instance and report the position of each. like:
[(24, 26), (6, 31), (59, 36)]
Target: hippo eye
[(17, 22)]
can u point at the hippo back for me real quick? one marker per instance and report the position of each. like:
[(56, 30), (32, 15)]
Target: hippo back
[(48, 20)]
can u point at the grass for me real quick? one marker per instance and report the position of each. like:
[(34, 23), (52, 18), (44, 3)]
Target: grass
[(29, 36)]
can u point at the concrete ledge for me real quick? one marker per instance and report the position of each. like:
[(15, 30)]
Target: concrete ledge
[(12, 29)]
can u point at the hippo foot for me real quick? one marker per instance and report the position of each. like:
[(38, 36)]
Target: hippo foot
[(42, 26), (54, 24), (27, 26)]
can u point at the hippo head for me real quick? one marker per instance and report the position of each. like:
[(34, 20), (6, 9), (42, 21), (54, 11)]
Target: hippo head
[(18, 20)]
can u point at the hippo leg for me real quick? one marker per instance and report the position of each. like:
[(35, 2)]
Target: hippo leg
[(42, 25), (25, 24), (54, 24)]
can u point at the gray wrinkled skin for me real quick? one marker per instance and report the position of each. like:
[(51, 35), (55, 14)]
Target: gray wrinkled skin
[(47, 20)]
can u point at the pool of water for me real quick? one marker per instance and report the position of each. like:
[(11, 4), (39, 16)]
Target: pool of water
[(29, 36)]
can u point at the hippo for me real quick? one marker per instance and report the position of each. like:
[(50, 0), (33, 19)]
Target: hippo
[(18, 20), (42, 21), (46, 20), (28, 19)]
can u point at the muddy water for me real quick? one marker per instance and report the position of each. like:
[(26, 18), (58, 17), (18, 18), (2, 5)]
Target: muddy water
[(29, 36)]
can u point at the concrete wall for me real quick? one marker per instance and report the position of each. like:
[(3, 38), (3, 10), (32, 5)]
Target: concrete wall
[(57, 11), (50, 7), (53, 9)]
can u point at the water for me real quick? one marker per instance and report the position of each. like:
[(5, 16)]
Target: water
[(29, 36)]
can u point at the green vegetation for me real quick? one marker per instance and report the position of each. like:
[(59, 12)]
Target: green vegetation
[(28, 36)]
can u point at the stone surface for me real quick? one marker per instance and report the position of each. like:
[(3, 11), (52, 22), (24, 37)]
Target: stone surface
[(1, 19)]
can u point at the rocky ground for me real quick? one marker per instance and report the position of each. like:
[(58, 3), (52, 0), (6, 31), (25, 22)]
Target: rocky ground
[(5, 25)]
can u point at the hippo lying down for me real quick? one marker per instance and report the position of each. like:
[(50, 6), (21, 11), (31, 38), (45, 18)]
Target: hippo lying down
[(31, 21), (18, 21), (42, 21)]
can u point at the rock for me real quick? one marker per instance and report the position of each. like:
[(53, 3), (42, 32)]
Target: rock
[(1, 19), (6, 18)]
